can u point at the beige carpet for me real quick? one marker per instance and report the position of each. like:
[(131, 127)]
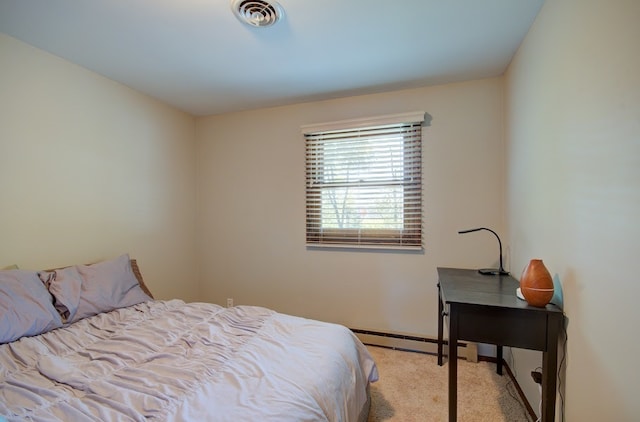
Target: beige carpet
[(412, 387)]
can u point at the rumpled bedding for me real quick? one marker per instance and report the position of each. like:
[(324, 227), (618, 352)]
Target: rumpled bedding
[(177, 361)]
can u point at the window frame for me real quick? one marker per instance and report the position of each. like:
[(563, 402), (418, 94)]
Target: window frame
[(410, 236)]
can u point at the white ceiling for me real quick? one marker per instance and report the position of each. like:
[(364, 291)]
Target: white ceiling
[(196, 56)]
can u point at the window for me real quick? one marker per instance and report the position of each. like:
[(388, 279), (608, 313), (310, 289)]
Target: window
[(364, 182)]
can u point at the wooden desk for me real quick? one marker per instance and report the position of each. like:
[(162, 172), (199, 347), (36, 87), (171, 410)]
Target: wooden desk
[(485, 309)]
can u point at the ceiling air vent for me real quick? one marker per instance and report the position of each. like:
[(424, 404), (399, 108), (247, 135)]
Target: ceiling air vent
[(258, 13)]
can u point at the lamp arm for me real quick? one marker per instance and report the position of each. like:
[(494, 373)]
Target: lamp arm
[(501, 269)]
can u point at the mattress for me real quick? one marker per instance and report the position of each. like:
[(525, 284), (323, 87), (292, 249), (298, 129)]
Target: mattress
[(177, 361)]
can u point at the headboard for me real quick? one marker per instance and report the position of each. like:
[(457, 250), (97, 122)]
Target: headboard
[(138, 274)]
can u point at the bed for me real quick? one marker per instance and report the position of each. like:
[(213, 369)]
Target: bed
[(87, 343)]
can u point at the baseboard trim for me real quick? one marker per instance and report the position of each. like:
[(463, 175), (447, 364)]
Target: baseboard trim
[(512, 377)]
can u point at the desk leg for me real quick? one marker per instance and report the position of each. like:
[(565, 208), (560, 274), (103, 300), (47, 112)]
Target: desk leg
[(499, 359), (549, 370), (453, 363), (440, 324)]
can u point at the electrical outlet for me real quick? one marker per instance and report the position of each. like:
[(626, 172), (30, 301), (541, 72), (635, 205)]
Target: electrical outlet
[(537, 377), (229, 302)]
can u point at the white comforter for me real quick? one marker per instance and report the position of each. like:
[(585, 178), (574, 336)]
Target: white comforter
[(179, 361)]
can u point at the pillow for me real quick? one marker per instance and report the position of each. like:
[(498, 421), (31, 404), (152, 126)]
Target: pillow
[(26, 307), (65, 285), (85, 290)]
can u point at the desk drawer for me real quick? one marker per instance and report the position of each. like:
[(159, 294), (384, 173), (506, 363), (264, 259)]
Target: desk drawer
[(520, 328)]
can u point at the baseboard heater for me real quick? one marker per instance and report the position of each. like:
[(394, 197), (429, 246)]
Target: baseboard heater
[(413, 343)]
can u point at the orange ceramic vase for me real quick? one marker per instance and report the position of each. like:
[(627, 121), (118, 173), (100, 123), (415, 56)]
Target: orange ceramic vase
[(536, 284)]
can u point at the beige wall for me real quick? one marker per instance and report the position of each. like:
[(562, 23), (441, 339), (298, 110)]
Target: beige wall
[(90, 169), (573, 196), (251, 209)]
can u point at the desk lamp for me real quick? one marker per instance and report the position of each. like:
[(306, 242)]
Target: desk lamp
[(489, 271)]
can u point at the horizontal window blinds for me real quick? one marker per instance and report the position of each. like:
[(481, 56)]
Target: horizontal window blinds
[(364, 183)]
